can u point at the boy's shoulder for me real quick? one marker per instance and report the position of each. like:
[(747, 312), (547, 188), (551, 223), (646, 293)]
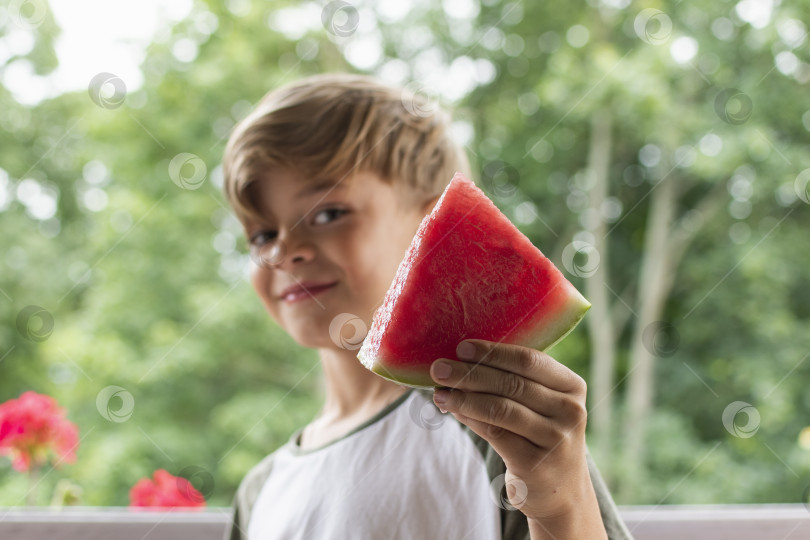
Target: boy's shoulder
[(247, 493), (254, 479)]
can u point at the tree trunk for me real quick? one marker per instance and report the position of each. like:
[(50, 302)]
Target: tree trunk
[(600, 323), (655, 283)]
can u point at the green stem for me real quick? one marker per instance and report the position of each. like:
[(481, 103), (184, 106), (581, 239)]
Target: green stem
[(33, 478)]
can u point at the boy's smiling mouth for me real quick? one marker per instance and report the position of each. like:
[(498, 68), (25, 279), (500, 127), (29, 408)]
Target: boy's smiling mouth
[(303, 290)]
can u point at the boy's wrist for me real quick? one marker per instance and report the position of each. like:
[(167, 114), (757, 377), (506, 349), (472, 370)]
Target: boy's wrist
[(576, 523), (572, 525)]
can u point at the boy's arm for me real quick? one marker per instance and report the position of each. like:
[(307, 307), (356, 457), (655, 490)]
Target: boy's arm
[(580, 521), (566, 527)]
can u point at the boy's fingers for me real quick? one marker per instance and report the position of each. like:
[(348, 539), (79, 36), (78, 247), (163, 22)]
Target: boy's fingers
[(505, 419), (472, 377), (530, 363)]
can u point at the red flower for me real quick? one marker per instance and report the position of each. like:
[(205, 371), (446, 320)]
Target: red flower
[(166, 491), (34, 426)]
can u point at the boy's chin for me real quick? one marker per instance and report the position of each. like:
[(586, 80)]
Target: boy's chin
[(312, 336), (342, 332)]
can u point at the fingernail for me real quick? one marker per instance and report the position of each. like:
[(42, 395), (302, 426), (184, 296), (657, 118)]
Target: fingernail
[(442, 370), (440, 398), (465, 350)]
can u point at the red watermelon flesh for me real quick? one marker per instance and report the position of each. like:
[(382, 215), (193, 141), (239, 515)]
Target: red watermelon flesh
[(469, 273)]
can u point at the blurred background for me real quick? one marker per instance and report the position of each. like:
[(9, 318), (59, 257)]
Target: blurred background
[(657, 152)]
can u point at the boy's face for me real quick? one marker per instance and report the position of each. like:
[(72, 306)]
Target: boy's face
[(349, 238)]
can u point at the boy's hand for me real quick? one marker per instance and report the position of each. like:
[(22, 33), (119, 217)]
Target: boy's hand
[(531, 409)]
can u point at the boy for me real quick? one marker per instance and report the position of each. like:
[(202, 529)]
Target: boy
[(376, 462)]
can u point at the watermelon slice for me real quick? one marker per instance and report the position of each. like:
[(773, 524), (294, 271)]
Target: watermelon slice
[(468, 273)]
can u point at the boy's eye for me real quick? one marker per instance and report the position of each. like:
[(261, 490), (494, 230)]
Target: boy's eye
[(327, 215), (262, 237), (321, 217)]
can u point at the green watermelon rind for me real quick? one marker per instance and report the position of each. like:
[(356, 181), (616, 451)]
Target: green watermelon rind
[(404, 378), (565, 320)]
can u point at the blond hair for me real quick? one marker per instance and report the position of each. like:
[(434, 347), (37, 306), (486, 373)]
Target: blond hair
[(331, 126)]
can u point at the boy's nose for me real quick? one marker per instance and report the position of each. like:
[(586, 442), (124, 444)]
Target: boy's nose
[(295, 251), (297, 258)]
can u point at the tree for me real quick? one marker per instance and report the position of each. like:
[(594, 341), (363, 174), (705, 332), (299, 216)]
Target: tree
[(684, 224)]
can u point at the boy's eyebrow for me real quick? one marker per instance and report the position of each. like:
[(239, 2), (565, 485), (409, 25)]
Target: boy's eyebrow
[(317, 187)]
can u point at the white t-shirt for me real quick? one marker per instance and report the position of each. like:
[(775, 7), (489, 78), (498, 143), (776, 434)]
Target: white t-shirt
[(407, 473)]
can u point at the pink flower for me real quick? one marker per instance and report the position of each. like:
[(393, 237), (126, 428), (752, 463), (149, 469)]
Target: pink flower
[(166, 491), (34, 426)]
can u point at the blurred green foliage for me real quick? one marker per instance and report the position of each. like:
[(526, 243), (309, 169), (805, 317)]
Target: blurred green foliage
[(145, 281)]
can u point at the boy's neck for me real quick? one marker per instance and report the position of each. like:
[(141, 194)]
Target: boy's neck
[(350, 388)]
